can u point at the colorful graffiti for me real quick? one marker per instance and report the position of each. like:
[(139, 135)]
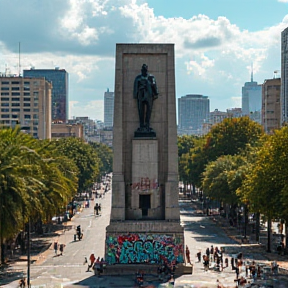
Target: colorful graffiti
[(143, 248), (145, 184)]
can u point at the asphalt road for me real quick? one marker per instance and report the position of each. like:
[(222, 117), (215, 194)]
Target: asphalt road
[(68, 270)]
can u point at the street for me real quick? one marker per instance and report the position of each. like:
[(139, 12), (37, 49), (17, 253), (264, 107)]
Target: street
[(69, 270)]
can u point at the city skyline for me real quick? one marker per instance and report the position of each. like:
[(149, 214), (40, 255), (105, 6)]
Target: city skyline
[(215, 44)]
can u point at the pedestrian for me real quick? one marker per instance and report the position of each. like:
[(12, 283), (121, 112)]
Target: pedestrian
[(208, 251), (199, 256), (188, 255), (61, 248), (55, 247), (22, 283), (237, 272), (226, 262), (92, 260), (212, 253)]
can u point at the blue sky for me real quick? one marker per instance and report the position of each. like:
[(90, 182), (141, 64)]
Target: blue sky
[(215, 43)]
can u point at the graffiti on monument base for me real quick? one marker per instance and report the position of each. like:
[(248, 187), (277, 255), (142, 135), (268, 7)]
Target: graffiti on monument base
[(143, 248)]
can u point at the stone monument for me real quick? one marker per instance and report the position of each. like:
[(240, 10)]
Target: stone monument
[(145, 216)]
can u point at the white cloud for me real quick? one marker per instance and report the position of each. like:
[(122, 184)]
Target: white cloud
[(213, 56), (94, 109), (283, 1)]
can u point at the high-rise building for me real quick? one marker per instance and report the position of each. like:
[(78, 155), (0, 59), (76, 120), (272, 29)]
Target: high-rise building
[(271, 115), (251, 99), (26, 102), (284, 76), (59, 79), (193, 111), (108, 108)]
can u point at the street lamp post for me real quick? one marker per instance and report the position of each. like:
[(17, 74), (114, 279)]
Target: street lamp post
[(28, 255)]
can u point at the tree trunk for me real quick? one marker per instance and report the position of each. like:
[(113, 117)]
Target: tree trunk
[(245, 221), (269, 235), (257, 227)]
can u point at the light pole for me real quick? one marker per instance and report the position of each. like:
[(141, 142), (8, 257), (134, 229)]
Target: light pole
[(28, 255)]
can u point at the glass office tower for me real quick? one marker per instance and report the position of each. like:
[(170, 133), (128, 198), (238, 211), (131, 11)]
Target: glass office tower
[(59, 79)]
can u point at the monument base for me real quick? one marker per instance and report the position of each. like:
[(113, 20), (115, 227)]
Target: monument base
[(144, 242), (140, 133)]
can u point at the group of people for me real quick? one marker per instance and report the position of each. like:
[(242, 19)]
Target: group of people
[(214, 255), (165, 270), (57, 246), (96, 264)]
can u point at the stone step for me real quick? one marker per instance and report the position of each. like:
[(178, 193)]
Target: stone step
[(130, 269)]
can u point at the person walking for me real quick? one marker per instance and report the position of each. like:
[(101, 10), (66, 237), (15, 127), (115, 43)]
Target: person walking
[(61, 248), (92, 260), (55, 246), (188, 255)]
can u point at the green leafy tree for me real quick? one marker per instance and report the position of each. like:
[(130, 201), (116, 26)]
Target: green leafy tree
[(265, 187), (84, 156), (105, 155), (229, 137)]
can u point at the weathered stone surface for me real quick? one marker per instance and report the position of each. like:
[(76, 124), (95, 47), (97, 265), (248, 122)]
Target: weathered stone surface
[(145, 171)]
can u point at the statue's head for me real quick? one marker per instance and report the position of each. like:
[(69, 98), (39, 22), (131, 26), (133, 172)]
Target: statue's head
[(144, 69)]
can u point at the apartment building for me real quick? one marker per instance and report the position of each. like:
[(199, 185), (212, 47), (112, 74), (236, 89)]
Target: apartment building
[(271, 110), (26, 102)]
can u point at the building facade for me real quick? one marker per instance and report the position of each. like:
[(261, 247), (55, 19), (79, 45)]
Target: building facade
[(108, 108), (193, 112), (252, 100), (59, 79), (271, 110), (284, 76), (62, 130), (26, 102)]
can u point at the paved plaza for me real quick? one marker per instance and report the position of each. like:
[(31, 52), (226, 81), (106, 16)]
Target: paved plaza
[(69, 270)]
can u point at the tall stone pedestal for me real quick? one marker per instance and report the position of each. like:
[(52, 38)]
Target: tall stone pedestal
[(145, 218)]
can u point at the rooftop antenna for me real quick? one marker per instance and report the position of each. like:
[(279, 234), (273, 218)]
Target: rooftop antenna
[(276, 72), (252, 72)]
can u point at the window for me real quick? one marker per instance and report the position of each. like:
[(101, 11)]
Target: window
[(5, 82), (15, 104), (15, 99), (35, 104), (27, 116), (4, 99), (26, 104), (26, 83), (26, 93), (5, 116), (26, 88), (5, 110), (35, 93), (5, 88), (35, 122), (4, 104), (15, 82), (15, 94), (35, 116), (26, 110), (26, 99), (14, 116), (15, 88), (36, 83), (15, 110), (35, 110), (5, 93)]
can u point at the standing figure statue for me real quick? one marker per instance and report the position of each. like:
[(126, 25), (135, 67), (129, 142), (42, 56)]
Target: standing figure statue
[(145, 91)]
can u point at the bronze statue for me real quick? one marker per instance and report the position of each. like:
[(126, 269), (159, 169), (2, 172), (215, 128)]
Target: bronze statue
[(145, 91)]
